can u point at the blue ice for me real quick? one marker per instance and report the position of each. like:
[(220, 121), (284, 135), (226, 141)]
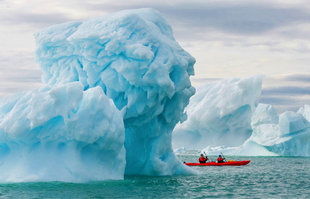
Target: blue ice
[(115, 87)]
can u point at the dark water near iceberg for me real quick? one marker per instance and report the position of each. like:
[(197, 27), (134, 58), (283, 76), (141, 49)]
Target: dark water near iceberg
[(264, 177)]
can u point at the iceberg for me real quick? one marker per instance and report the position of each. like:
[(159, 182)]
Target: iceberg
[(273, 135), (57, 134), (225, 116), (219, 114), (265, 125), (289, 136), (305, 112), (115, 87)]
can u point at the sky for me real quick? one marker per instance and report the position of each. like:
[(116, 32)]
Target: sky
[(229, 38)]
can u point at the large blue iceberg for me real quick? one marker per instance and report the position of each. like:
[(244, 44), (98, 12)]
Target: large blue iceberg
[(115, 88)]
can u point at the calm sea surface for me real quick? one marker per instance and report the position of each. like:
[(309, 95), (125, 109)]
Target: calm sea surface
[(264, 177)]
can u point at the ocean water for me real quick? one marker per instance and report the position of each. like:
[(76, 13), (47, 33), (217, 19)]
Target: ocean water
[(264, 177)]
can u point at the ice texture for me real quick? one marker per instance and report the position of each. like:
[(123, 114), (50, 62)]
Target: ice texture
[(305, 112), (285, 135), (290, 136), (219, 114), (224, 116), (130, 58), (265, 125), (57, 134), (264, 114)]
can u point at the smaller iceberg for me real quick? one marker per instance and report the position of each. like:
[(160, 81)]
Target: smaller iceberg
[(289, 137), (285, 135), (225, 116), (219, 114)]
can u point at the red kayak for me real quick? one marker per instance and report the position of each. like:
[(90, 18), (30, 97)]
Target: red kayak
[(229, 163)]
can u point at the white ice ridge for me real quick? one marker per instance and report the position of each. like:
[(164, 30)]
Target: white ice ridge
[(219, 114), (130, 58)]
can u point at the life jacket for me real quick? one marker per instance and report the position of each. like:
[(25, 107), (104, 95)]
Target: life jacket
[(220, 160), (203, 160)]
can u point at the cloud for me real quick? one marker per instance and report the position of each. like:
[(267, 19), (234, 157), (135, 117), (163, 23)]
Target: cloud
[(22, 75), (239, 19), (229, 17), (35, 19), (18, 72), (12, 88), (192, 20), (216, 27), (287, 90), (277, 100), (297, 77), (288, 107), (285, 102)]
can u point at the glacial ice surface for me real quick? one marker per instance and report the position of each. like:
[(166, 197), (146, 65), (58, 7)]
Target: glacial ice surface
[(57, 134), (69, 130), (289, 136), (224, 116), (305, 112), (219, 114), (285, 135)]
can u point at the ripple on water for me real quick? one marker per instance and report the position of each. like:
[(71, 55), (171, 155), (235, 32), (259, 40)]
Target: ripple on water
[(264, 177)]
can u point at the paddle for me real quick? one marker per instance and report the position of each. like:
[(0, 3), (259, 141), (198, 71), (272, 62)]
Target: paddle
[(223, 156), (206, 155)]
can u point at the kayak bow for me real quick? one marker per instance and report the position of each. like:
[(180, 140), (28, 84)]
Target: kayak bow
[(229, 163)]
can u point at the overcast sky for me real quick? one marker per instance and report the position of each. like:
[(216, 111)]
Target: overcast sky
[(228, 38)]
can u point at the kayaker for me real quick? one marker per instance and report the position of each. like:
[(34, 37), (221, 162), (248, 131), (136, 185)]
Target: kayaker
[(203, 159), (220, 159)]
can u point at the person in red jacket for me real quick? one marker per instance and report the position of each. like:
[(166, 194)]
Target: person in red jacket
[(220, 159), (203, 159)]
